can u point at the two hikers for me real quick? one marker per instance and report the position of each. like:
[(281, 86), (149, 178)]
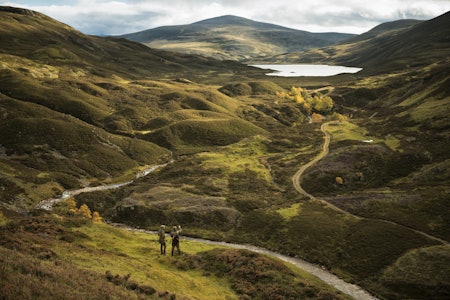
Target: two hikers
[(175, 234)]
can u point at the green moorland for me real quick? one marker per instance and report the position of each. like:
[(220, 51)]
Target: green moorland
[(80, 111), (389, 46), (69, 257)]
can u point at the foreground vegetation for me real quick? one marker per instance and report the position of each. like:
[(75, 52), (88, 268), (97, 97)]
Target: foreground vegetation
[(69, 257)]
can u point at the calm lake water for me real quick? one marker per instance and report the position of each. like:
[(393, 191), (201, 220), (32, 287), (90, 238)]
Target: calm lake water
[(307, 70)]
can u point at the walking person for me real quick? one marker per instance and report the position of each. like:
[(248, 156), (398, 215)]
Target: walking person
[(162, 239), (175, 234)]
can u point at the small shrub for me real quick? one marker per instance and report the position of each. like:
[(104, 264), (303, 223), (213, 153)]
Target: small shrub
[(255, 276), (129, 284)]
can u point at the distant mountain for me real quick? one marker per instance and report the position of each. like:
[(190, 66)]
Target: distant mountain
[(389, 46), (232, 37)]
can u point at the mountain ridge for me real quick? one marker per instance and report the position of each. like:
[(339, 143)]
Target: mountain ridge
[(233, 37), (392, 46), (384, 28), (57, 42)]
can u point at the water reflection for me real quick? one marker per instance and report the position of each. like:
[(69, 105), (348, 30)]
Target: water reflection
[(295, 70)]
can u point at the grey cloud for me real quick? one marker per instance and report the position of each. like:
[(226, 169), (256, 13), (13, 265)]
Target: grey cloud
[(106, 24), (124, 16)]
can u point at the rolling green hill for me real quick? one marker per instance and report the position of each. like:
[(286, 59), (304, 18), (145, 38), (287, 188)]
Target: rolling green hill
[(79, 111), (72, 107), (46, 40), (79, 259), (231, 37)]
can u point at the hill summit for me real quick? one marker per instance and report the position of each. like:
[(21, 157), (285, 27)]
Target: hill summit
[(233, 37)]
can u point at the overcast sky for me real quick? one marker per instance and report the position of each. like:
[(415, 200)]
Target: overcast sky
[(113, 17)]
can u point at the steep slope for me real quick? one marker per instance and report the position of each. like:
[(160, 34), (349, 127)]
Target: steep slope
[(418, 45), (60, 257), (391, 46), (44, 152), (71, 107), (231, 37), (48, 41), (387, 28)]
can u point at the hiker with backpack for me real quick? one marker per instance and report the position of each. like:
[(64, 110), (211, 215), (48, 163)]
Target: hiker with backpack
[(175, 234), (162, 239)]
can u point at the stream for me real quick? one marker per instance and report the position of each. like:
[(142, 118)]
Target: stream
[(48, 204)]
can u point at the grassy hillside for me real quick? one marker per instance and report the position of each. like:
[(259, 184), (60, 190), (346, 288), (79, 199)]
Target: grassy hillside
[(71, 111), (55, 257), (231, 37), (400, 176), (44, 152)]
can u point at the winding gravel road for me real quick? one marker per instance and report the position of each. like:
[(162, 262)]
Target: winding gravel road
[(296, 179)]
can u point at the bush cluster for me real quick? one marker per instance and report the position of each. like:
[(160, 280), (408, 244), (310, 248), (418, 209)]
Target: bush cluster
[(254, 276), (310, 103), (130, 284)]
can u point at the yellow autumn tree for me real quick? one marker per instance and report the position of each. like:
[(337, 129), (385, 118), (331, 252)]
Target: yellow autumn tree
[(322, 104), (296, 90), (299, 99), (315, 102), (84, 211), (316, 118), (337, 117), (71, 206), (96, 218), (339, 180)]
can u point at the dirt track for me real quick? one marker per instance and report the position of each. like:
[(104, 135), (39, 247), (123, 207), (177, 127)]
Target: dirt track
[(296, 179)]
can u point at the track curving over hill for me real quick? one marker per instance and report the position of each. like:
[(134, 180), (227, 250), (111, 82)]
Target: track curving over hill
[(296, 181)]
